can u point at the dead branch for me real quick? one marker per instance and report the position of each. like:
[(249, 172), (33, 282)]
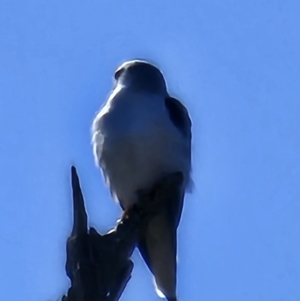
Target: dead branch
[(99, 266)]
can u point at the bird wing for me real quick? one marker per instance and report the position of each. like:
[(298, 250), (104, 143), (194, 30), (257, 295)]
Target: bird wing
[(158, 242), (179, 116)]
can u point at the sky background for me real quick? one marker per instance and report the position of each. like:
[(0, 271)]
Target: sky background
[(234, 64)]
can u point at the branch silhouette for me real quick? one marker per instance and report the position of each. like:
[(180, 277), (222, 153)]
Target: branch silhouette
[(99, 266)]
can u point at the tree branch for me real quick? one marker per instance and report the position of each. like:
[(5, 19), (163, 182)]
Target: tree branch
[(99, 266)]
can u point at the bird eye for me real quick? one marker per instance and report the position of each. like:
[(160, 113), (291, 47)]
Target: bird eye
[(118, 73)]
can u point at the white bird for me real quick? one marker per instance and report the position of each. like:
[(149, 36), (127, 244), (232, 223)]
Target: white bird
[(140, 135)]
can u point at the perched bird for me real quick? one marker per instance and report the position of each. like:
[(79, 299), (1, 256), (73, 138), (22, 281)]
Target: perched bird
[(140, 135)]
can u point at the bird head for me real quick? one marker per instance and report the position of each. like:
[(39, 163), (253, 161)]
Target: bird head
[(140, 75)]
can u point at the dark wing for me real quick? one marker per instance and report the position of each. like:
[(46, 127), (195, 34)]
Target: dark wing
[(179, 116), (172, 212), (181, 119), (158, 245)]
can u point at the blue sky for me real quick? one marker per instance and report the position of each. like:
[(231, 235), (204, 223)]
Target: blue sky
[(234, 64)]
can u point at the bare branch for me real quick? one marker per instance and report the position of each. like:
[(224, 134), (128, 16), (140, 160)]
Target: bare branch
[(99, 267)]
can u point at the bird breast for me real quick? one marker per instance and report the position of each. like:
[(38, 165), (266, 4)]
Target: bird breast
[(135, 143)]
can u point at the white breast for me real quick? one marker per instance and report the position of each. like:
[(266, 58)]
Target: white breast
[(135, 143)]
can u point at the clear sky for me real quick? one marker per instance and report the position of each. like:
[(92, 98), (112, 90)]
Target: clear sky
[(234, 64)]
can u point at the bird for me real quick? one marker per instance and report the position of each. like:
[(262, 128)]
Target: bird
[(140, 135)]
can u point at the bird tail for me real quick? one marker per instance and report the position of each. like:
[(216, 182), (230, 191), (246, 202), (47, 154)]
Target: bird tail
[(172, 299), (158, 248), (158, 242)]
